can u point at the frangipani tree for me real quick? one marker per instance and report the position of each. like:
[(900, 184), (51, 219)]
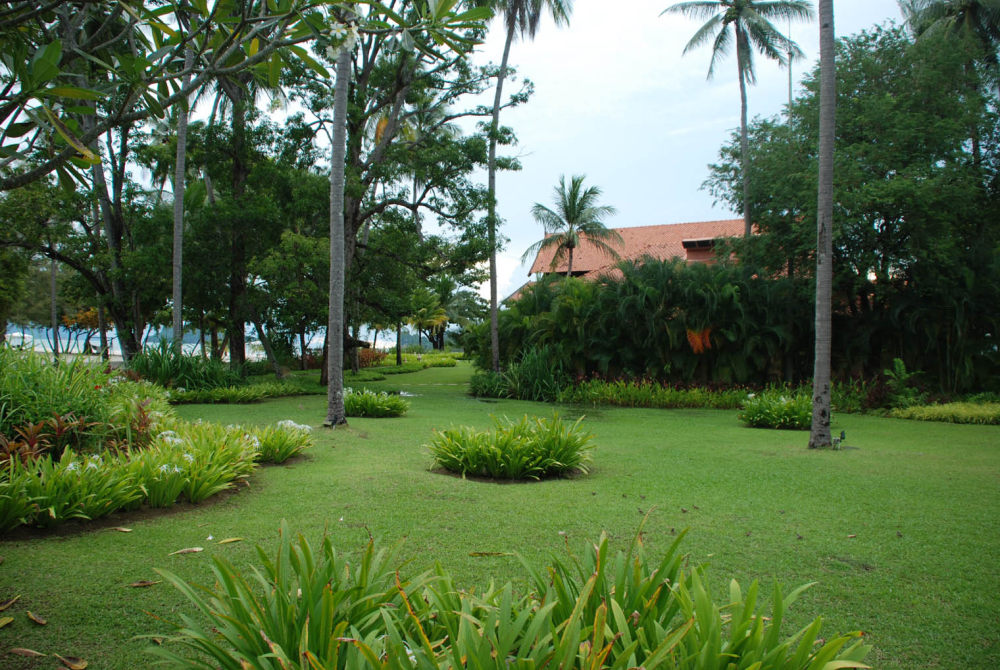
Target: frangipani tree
[(444, 24)]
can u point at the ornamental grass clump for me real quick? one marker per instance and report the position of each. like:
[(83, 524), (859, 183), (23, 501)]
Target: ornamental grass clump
[(169, 368), (373, 404), (276, 444), (304, 610), (777, 409), (532, 448)]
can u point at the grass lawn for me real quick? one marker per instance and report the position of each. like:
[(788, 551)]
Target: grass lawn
[(900, 532)]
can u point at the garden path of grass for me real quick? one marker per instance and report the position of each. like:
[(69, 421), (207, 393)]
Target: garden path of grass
[(901, 533)]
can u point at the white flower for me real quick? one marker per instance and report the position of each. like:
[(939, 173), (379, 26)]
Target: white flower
[(91, 465), (189, 458), (165, 467), (177, 469), (167, 433), (73, 467), (209, 538), (338, 31)]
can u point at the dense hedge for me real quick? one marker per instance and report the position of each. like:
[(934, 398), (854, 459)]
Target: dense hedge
[(723, 323)]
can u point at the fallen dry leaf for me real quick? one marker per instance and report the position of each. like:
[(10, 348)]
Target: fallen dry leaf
[(37, 619), (230, 540), (7, 603), (852, 535), (142, 583), (72, 662), (5, 620), (489, 553), (122, 529), (189, 550), (30, 653)]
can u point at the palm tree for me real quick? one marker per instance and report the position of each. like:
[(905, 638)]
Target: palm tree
[(978, 20), (748, 23), (576, 216), (179, 175), (521, 17), (336, 415), (819, 435)]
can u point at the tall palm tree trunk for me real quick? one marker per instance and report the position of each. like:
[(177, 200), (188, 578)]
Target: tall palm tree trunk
[(335, 413), (819, 435), (744, 139), (179, 172), (492, 217)]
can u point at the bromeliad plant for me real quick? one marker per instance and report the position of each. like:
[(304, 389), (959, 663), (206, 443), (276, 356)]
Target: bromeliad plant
[(306, 611), (532, 448)]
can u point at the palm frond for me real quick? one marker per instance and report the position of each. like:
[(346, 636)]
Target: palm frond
[(697, 9), (720, 49)]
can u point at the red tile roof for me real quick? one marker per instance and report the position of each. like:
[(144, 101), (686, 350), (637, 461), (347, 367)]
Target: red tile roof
[(662, 242)]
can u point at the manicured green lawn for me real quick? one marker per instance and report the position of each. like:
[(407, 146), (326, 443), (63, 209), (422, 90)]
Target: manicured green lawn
[(901, 533)]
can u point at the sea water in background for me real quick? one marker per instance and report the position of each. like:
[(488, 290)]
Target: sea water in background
[(39, 338)]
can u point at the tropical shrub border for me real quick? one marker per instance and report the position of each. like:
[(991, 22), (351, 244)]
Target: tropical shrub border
[(304, 609)]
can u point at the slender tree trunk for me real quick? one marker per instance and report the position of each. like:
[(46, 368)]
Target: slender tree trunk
[(237, 241), (53, 309), (335, 413), (744, 140), (492, 215), (265, 341), (102, 326), (179, 173), (399, 344), (569, 263), (302, 349), (819, 435)]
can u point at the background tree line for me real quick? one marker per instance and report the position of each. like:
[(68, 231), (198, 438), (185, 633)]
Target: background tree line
[(916, 242)]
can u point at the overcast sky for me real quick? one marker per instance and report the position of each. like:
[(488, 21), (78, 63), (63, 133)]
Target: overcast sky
[(616, 101)]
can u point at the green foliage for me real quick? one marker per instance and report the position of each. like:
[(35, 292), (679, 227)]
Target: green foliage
[(193, 461), (403, 369), (537, 375), (915, 248), (236, 394), (640, 324), (777, 409), (647, 393), (952, 412), (32, 390), (167, 367), (488, 384), (902, 393), (309, 610), (535, 448), (276, 444), (365, 403)]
